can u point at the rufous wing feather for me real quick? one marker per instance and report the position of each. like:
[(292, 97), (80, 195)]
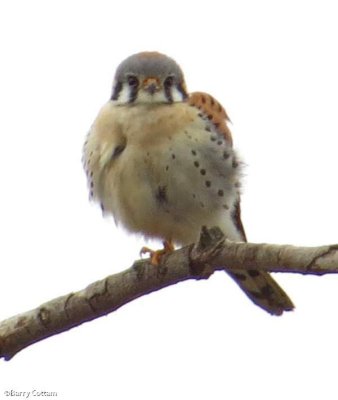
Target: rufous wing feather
[(212, 110), (259, 286)]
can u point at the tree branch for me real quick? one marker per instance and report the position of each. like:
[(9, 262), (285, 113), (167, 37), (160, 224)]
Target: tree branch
[(192, 262)]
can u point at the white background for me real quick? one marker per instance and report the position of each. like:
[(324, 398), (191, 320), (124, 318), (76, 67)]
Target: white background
[(274, 66)]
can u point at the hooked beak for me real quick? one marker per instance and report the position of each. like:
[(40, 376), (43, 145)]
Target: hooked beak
[(151, 85)]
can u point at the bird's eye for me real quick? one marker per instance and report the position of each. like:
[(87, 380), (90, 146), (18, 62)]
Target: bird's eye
[(132, 80), (169, 81)]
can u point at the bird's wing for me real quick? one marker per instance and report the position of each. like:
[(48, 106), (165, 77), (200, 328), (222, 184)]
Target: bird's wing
[(212, 110), (259, 286), (215, 112), (103, 143)]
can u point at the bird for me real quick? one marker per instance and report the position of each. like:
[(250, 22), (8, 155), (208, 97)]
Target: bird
[(161, 161)]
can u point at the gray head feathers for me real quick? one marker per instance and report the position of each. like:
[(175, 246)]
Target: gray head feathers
[(148, 77), (147, 64)]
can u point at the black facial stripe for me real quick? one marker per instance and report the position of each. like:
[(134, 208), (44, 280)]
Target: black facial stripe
[(133, 93), (116, 91), (168, 94), (182, 91)]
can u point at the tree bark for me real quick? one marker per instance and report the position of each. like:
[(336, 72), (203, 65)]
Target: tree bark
[(213, 252)]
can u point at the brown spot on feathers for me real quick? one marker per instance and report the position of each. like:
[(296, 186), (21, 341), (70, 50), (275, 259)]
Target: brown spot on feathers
[(212, 110)]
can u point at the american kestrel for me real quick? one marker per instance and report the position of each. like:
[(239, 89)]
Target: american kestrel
[(161, 162)]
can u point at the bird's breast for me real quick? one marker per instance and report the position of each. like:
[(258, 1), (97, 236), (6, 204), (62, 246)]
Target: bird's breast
[(174, 174), (149, 125)]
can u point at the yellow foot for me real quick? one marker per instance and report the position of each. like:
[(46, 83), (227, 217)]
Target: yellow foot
[(156, 255)]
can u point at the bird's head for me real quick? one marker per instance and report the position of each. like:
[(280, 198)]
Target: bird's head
[(148, 77)]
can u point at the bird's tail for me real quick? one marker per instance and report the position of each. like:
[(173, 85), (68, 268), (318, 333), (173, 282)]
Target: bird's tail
[(263, 290)]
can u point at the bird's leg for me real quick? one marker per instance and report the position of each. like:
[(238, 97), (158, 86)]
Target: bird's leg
[(156, 255)]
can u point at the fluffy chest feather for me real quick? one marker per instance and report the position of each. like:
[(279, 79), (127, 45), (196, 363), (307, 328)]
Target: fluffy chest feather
[(162, 171)]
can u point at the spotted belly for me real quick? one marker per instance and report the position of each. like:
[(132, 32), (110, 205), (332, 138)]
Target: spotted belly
[(171, 190)]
